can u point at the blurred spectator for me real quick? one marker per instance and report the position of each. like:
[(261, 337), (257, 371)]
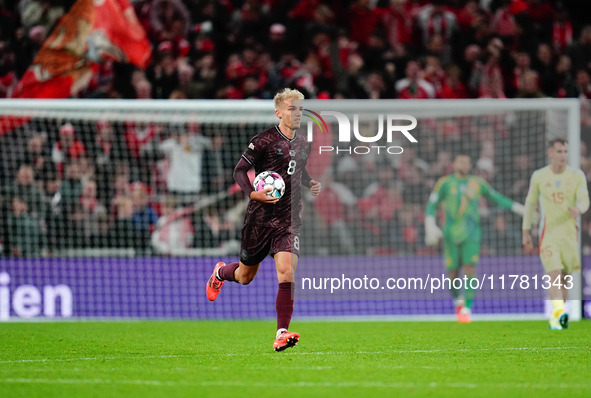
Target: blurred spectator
[(487, 77), (562, 29), (91, 210), (27, 47), (540, 12), (100, 238), (186, 81), (452, 87), (184, 151), (435, 22), (144, 217), (362, 20), (565, 82), (54, 217), (67, 148), (26, 190), (163, 75), (205, 77), (143, 89), (169, 20), (414, 186), (583, 83), (529, 86), (218, 163), (522, 68), (580, 51), (414, 86), (397, 22), (71, 186), (106, 151), (406, 234), (142, 139), (70, 191), (86, 169), (277, 40), (123, 233), (544, 66), (375, 86), (121, 190), (434, 73), (42, 12), (336, 211), (26, 236), (378, 206), (503, 22), (37, 156), (312, 12), (174, 231)]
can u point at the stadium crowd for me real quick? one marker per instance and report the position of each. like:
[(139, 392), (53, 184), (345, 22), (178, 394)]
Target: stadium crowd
[(130, 184)]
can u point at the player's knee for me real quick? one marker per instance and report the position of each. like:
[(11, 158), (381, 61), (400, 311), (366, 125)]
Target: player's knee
[(284, 276)]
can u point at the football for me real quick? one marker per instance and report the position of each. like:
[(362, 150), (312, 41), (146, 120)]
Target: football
[(270, 179)]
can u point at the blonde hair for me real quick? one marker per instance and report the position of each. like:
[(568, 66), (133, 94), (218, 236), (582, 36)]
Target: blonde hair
[(285, 94)]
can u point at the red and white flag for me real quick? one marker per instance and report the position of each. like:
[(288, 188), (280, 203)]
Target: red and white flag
[(92, 32)]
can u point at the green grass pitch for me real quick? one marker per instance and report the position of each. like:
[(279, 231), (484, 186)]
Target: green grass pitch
[(344, 359)]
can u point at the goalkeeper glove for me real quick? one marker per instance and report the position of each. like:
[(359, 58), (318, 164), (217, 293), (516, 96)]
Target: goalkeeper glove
[(432, 231), (518, 208)]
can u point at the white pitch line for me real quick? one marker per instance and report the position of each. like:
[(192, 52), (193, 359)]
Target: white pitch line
[(302, 384), (294, 353)]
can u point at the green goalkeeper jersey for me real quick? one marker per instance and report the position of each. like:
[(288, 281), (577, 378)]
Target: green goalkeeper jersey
[(460, 199)]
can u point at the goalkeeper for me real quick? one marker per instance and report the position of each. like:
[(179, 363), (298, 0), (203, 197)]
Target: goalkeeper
[(460, 193)]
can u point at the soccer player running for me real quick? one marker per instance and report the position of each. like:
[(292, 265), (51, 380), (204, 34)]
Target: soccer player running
[(460, 193), (563, 196), (272, 225)]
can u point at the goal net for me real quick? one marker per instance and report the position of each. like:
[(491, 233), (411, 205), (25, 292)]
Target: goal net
[(121, 208)]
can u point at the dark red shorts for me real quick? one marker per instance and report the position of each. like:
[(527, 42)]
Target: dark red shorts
[(258, 241)]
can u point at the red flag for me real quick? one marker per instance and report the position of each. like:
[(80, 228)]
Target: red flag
[(93, 31), (90, 33)]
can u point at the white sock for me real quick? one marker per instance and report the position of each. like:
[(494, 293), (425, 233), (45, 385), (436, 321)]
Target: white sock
[(280, 331)]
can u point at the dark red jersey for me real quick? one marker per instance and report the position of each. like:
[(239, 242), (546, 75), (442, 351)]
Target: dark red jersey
[(271, 150)]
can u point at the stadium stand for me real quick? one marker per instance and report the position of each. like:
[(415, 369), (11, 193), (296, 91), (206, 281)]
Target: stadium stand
[(116, 177)]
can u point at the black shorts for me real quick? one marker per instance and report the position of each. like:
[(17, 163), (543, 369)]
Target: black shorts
[(258, 241)]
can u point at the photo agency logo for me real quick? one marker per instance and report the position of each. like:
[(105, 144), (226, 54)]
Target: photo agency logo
[(392, 127)]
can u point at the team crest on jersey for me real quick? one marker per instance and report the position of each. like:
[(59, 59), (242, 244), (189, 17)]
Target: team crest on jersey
[(292, 152), (279, 151), (547, 185), (558, 183), (472, 189), (251, 146)]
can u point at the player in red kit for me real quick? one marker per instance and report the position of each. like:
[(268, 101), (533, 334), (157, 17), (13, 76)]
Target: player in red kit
[(272, 225)]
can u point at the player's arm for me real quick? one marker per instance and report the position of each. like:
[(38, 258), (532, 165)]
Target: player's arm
[(307, 181), (500, 199), (581, 197), (432, 231), (531, 202), (249, 158)]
